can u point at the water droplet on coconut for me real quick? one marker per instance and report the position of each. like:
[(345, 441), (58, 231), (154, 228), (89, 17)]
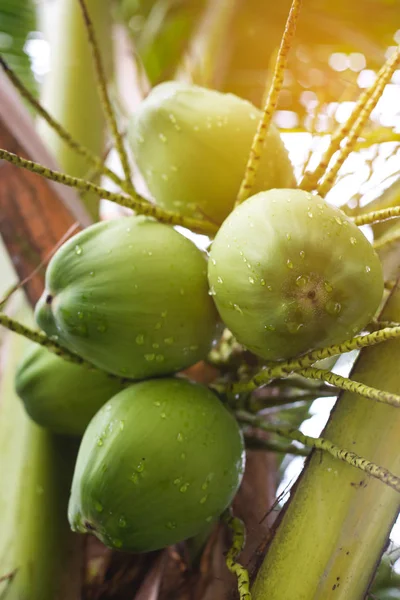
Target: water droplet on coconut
[(353, 241), (98, 506), (160, 358), (289, 264), (179, 437), (328, 286), (171, 525), (140, 339), (338, 220), (367, 269), (251, 280), (302, 280), (149, 357), (219, 279), (155, 345), (302, 254), (294, 327), (169, 341), (333, 308), (162, 137), (203, 499), (117, 543), (184, 488), (78, 250)]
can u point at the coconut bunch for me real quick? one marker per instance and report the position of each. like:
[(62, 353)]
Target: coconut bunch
[(162, 457)]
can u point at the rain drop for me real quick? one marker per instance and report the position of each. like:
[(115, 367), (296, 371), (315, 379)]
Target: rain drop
[(140, 339), (149, 357), (289, 264), (78, 250), (162, 137), (98, 506)]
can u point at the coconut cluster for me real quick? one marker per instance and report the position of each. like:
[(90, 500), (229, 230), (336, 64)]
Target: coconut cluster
[(162, 457)]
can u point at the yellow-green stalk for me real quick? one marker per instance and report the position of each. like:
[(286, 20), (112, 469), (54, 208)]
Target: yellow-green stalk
[(331, 537), (36, 545), (70, 92)]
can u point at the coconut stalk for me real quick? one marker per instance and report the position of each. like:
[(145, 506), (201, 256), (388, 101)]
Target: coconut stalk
[(330, 538), (70, 91)]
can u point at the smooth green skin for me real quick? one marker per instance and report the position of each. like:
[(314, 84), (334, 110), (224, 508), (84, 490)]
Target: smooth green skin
[(157, 463), (192, 144), (59, 395), (131, 296), (289, 272)]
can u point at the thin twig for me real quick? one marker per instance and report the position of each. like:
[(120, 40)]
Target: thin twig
[(377, 216), (351, 458), (269, 108), (136, 202), (105, 99), (310, 179), (20, 284), (352, 386), (239, 535), (94, 160), (329, 177), (283, 369)]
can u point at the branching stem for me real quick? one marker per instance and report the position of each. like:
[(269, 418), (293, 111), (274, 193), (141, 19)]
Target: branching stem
[(376, 471), (136, 203), (270, 105)]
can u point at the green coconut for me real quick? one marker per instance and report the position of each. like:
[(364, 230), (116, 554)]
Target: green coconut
[(60, 395), (131, 296), (160, 461), (192, 144), (289, 272)]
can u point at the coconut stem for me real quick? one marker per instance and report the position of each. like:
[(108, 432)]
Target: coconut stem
[(136, 202), (310, 179), (270, 105), (377, 216), (102, 87), (257, 444), (351, 386), (95, 161), (365, 111), (239, 535), (297, 364), (325, 445), (40, 338)]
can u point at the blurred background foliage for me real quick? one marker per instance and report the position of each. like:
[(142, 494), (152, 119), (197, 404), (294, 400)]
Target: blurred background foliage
[(17, 23)]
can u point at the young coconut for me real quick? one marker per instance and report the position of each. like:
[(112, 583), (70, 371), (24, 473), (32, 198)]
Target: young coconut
[(289, 272), (160, 461), (191, 145), (131, 296), (60, 395)]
